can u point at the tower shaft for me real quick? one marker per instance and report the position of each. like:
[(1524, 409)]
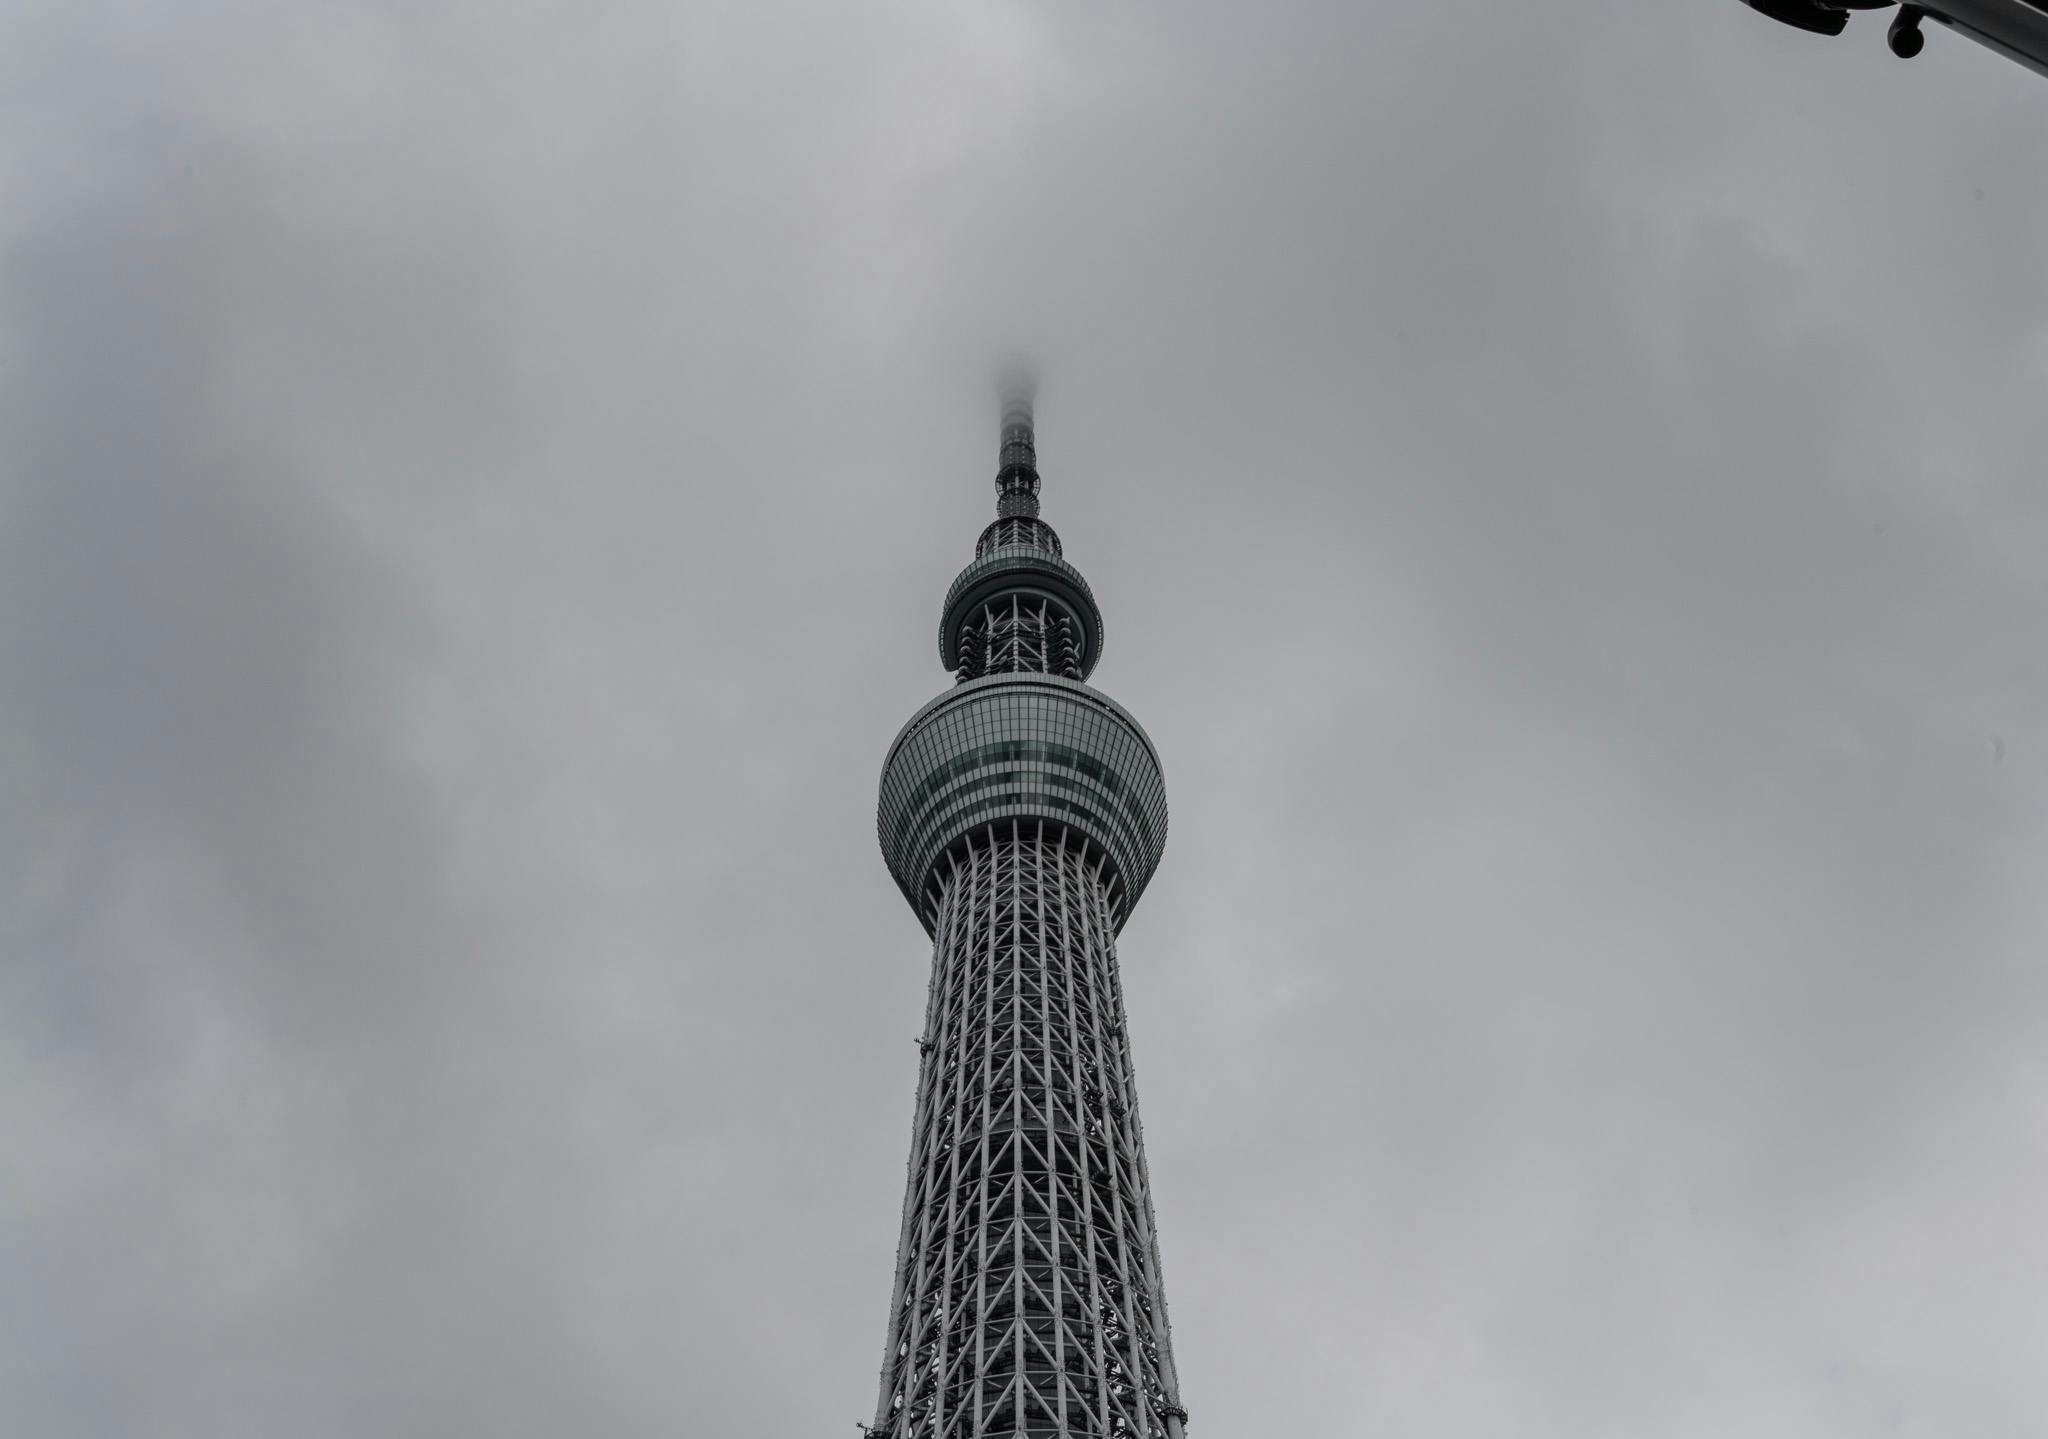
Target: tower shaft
[(1028, 1298)]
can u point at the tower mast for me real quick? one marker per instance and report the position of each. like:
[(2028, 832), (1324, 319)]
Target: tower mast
[(1022, 814)]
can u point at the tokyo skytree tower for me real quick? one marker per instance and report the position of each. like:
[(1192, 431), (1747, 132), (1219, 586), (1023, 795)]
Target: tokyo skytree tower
[(1022, 814)]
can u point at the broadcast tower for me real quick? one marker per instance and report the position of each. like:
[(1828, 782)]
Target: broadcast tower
[(1022, 814)]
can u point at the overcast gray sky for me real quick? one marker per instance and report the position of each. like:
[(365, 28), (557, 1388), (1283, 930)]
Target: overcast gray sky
[(476, 486)]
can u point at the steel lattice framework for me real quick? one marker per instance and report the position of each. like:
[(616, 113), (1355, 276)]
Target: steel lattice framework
[(1022, 814)]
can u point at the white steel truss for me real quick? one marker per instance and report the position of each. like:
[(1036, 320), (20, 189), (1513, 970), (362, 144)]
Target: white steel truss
[(1017, 636), (1027, 1299)]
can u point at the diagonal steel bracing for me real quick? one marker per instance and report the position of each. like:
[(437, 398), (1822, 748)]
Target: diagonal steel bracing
[(1028, 1298)]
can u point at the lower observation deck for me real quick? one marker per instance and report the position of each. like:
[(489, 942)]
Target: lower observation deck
[(1021, 747)]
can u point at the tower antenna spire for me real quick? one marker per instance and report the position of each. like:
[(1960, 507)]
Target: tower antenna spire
[(1017, 458)]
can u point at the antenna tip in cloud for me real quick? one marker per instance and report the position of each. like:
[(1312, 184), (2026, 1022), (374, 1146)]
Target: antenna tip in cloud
[(1017, 385)]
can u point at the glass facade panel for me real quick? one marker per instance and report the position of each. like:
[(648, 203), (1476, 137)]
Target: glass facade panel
[(1021, 746)]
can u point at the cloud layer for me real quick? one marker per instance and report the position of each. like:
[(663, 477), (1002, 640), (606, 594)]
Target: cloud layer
[(475, 490)]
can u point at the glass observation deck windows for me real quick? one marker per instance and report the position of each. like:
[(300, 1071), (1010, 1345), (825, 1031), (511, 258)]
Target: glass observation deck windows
[(1021, 746)]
